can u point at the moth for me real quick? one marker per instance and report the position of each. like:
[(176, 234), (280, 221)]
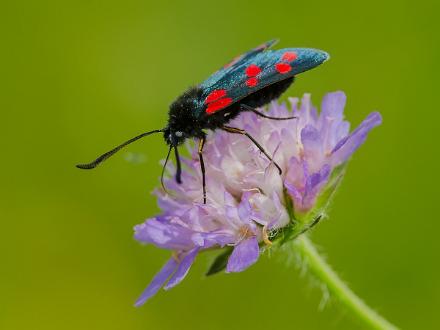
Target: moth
[(248, 82)]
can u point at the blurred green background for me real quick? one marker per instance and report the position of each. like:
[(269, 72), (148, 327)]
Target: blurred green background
[(79, 77)]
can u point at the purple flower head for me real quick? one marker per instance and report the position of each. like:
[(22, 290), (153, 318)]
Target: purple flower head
[(249, 204)]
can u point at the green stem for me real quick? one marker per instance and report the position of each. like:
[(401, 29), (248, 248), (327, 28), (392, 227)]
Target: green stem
[(317, 265)]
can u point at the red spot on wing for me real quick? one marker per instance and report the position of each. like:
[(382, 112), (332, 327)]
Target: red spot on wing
[(252, 70), (283, 67), (252, 82), (289, 56), (215, 95), (218, 105)]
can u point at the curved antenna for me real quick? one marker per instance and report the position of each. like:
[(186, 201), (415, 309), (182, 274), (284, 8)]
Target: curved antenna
[(110, 153), (163, 169), (179, 166)]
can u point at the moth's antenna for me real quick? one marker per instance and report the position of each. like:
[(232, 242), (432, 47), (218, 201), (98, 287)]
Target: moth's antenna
[(163, 169), (110, 153), (179, 166)]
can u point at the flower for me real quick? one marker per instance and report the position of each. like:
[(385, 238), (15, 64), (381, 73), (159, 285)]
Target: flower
[(248, 203)]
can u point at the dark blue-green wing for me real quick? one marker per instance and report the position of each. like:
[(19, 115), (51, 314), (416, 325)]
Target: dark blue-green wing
[(237, 61), (254, 72)]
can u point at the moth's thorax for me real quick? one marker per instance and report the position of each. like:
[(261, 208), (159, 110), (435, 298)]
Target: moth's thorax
[(183, 121)]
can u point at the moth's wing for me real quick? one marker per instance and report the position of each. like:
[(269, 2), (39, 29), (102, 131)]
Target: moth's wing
[(241, 58), (256, 72), (236, 61)]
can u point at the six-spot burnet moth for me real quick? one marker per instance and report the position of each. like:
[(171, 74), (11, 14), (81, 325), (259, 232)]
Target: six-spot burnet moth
[(249, 81)]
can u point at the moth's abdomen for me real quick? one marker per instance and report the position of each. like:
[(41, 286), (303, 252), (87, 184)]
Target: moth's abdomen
[(267, 94)]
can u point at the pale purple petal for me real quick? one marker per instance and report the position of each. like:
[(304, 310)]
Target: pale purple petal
[(333, 105), (341, 131), (294, 181), (294, 193), (310, 136), (314, 183), (244, 255), (311, 140), (182, 269), (317, 178), (229, 199), (160, 232), (313, 146), (210, 239), (331, 121), (244, 209), (157, 282), (347, 146)]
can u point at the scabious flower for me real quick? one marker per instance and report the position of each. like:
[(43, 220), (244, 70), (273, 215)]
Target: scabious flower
[(249, 205)]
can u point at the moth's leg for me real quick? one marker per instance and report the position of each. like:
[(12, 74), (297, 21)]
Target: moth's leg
[(235, 130), (258, 113), (202, 165), (164, 168)]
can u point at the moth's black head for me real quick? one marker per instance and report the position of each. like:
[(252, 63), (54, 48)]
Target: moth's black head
[(173, 137), (183, 121)]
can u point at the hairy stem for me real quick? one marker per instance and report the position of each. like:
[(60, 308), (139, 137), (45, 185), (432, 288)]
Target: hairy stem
[(337, 288)]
